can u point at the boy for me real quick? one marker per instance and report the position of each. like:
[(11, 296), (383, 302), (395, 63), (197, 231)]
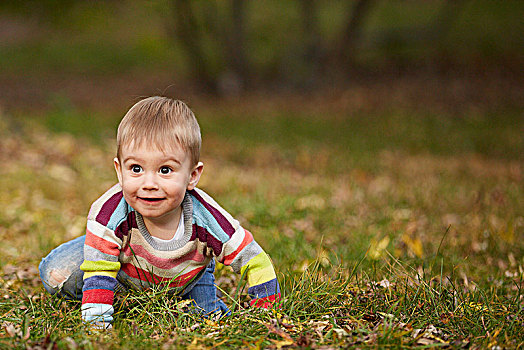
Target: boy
[(154, 226)]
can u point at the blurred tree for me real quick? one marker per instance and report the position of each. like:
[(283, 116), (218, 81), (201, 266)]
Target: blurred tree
[(236, 54), (226, 68), (344, 51), (228, 35), (187, 33), (313, 45), (235, 45)]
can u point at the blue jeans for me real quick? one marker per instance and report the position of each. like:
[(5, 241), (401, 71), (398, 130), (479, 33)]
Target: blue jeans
[(60, 273)]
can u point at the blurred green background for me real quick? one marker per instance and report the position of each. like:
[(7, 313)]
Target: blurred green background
[(348, 91), (424, 70), (111, 52)]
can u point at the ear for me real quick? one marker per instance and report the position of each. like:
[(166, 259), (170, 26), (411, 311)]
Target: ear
[(118, 170), (195, 176)]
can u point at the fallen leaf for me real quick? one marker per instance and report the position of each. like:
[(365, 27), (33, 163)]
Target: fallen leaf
[(377, 249), (280, 343)]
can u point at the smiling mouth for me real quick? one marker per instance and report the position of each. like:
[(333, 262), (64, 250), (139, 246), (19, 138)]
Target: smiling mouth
[(151, 200)]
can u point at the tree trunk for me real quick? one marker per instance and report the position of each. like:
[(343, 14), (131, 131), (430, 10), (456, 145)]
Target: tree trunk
[(237, 76), (186, 31), (345, 49), (312, 41)]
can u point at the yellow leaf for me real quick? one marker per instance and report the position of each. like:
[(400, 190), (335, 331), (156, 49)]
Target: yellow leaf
[(280, 343), (376, 249), (414, 245), (211, 323), (478, 306), (475, 306)]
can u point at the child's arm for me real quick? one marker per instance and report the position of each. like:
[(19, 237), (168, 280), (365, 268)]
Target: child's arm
[(101, 250), (263, 284), (236, 247), (100, 268)]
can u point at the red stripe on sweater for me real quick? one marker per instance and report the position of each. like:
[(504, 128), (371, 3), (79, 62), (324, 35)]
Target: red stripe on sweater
[(248, 238), (162, 263), (101, 244), (98, 296), (146, 276), (266, 302)]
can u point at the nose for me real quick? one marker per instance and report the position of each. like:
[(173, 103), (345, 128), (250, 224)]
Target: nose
[(150, 182)]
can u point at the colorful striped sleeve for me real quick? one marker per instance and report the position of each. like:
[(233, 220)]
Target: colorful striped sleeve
[(246, 256), (263, 284), (236, 247), (101, 251)]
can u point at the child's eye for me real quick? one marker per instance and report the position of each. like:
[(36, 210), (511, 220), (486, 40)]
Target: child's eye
[(165, 170), (136, 169)]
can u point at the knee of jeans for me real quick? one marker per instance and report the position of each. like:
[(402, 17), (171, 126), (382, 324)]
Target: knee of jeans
[(54, 278)]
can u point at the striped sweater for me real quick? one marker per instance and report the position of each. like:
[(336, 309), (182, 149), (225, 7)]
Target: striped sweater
[(118, 243)]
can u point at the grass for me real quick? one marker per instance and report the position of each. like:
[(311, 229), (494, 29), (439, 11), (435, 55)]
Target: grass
[(403, 229)]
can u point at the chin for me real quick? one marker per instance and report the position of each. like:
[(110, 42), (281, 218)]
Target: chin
[(152, 214)]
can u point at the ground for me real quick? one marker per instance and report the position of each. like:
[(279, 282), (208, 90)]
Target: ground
[(393, 215)]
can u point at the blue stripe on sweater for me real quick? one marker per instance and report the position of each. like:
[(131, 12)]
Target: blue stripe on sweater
[(200, 213), (118, 215), (265, 289), (99, 282)]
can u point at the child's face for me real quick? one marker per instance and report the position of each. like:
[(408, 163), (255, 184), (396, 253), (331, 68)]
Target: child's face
[(154, 182)]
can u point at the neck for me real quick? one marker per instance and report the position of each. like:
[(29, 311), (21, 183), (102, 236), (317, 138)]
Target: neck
[(164, 227)]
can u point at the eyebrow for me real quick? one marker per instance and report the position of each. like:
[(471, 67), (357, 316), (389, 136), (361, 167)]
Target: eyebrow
[(163, 160)]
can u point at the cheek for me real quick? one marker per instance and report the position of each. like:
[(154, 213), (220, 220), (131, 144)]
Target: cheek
[(129, 184), (176, 188)]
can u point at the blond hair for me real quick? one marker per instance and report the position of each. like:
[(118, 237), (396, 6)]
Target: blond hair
[(163, 123)]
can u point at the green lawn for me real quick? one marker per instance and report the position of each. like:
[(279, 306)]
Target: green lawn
[(388, 227)]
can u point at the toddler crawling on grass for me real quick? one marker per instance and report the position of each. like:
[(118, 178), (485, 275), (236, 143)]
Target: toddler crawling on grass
[(155, 227)]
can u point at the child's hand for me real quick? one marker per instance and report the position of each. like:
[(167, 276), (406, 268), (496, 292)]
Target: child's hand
[(97, 317), (265, 303)]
